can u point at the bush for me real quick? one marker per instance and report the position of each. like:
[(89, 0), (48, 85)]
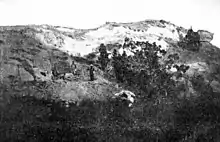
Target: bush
[(143, 70), (32, 119), (163, 21), (191, 41), (91, 56), (198, 118)]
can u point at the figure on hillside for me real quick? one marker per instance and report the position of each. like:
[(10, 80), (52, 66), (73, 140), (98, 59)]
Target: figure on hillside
[(91, 72), (73, 67)]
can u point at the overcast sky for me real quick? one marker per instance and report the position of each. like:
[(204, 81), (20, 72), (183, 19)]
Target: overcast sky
[(200, 14)]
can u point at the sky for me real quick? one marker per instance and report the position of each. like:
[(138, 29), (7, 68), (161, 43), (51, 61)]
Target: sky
[(200, 14)]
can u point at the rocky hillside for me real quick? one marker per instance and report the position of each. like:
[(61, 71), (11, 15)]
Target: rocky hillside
[(33, 47), (28, 54)]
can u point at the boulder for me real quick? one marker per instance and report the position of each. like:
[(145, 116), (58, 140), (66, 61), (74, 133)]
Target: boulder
[(126, 95), (205, 36), (42, 75), (69, 75), (61, 67)]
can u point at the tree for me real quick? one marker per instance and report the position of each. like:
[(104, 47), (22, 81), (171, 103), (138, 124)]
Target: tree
[(126, 39), (103, 59), (191, 41), (114, 54), (144, 70), (124, 66), (115, 63), (124, 54), (118, 65)]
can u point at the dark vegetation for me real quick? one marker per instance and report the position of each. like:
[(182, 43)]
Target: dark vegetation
[(191, 41), (157, 115), (103, 59)]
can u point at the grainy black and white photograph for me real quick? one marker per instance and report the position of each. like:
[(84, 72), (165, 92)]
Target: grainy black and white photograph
[(109, 71)]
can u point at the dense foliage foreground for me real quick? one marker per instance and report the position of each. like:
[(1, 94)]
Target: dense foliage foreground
[(29, 119)]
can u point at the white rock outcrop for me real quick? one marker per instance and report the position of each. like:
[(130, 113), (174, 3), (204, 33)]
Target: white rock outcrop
[(126, 95), (205, 36)]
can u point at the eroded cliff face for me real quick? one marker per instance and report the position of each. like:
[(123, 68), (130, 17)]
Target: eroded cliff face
[(205, 36)]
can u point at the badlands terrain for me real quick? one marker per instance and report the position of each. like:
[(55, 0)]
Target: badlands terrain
[(30, 51)]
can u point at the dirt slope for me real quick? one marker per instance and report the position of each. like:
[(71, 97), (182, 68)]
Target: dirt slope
[(24, 58)]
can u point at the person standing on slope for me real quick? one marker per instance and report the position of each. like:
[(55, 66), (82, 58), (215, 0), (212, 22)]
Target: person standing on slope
[(91, 72), (73, 67)]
